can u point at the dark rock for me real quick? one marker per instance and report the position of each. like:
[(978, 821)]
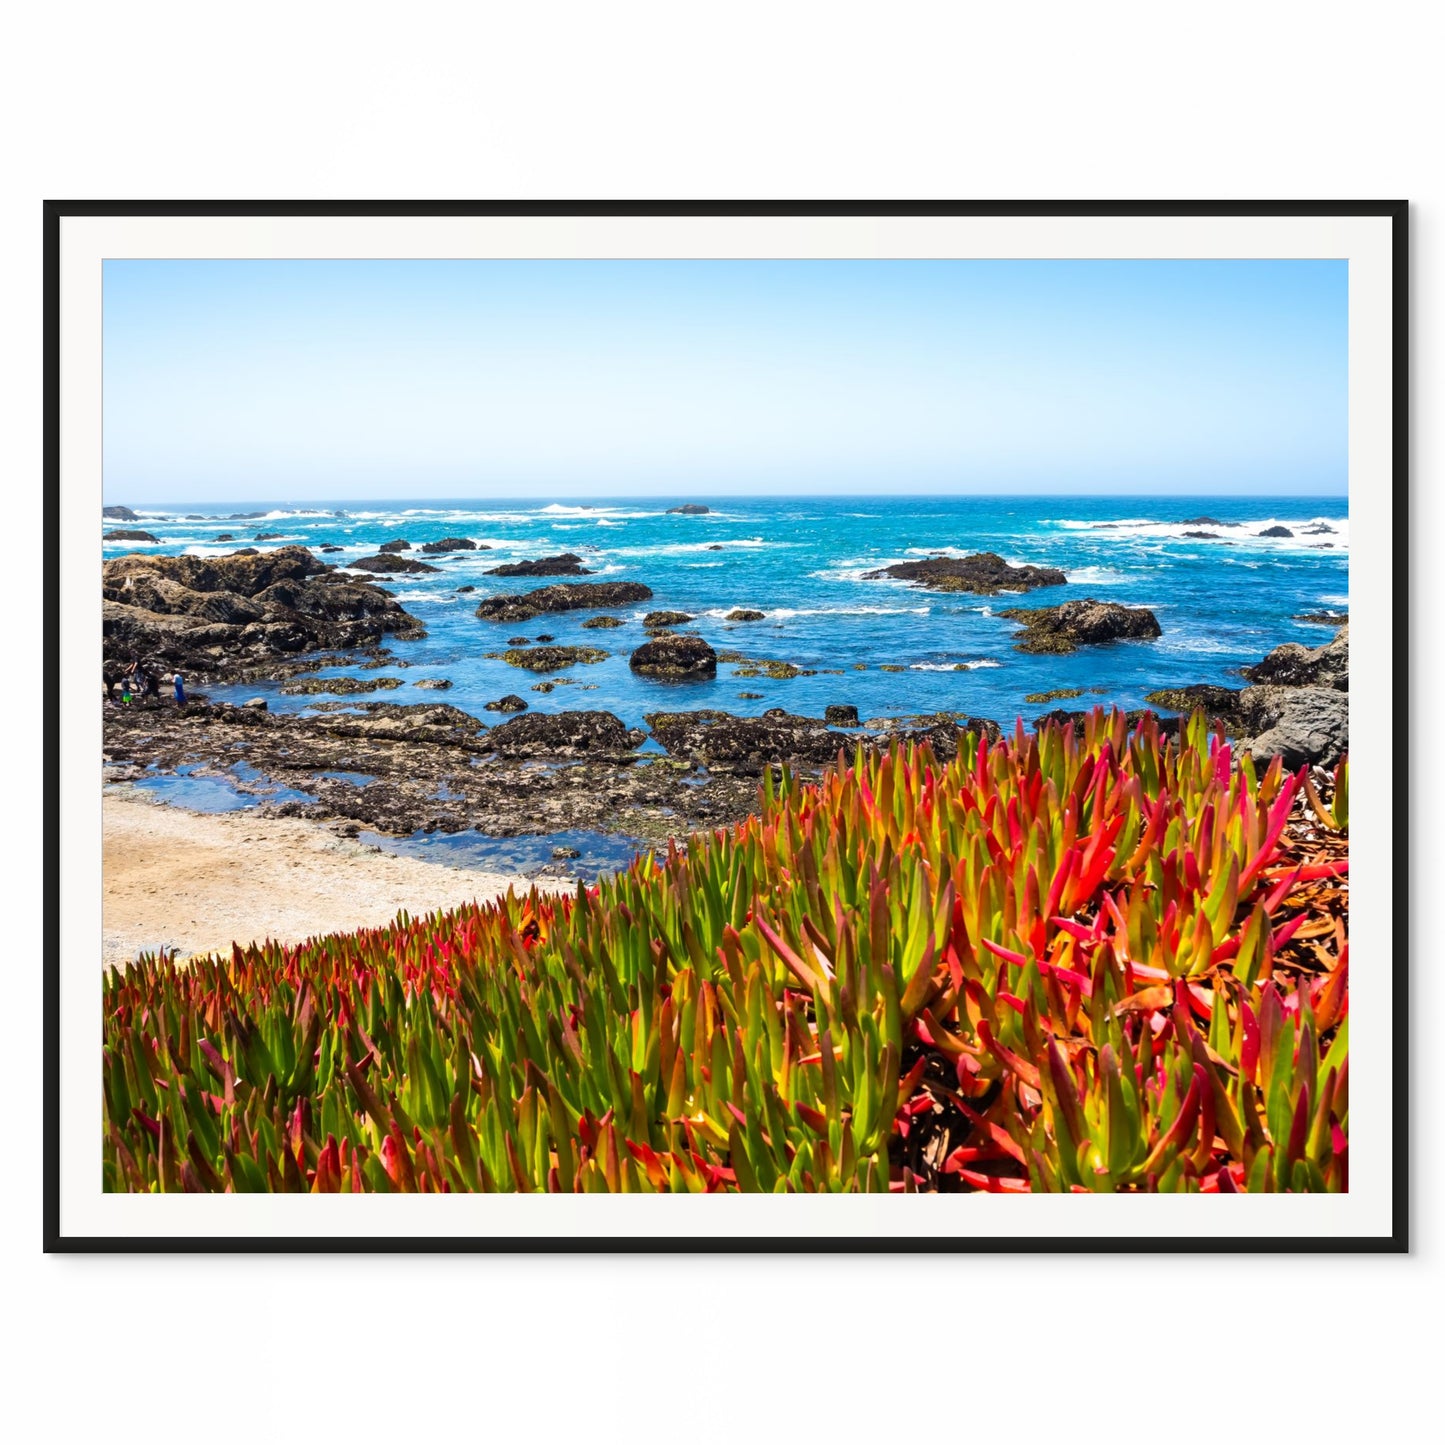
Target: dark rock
[(1275, 532), (119, 514), (561, 597), (230, 537), (1318, 529), (545, 637), (1054, 694), (267, 536), (675, 657), (744, 614), (715, 547), (604, 622), (1325, 618), (563, 851), (1208, 522), (984, 573), (518, 641), (561, 734), (1217, 702), (398, 545), (124, 536), (1299, 724), (329, 547), (1204, 536), (467, 588), (656, 620), (246, 552), (568, 564), (339, 686), (453, 544), (1294, 665), (245, 516), (1086, 622), (549, 659), (748, 743), (390, 562), (841, 714), (436, 684), (510, 703), (689, 509), (230, 617)]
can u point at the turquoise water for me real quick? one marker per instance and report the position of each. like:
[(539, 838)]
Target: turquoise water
[(1221, 604)]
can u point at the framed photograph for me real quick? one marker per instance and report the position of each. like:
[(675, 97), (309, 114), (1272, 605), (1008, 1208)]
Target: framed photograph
[(726, 727)]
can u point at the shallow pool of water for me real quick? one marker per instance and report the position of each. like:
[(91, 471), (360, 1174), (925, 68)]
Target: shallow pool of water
[(598, 853)]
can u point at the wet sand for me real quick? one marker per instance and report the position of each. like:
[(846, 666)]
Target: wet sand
[(196, 883)]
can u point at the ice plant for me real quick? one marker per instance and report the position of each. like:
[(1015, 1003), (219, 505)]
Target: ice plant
[(1084, 959)]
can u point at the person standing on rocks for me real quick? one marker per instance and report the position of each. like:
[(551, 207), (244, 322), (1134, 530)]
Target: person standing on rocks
[(180, 690)]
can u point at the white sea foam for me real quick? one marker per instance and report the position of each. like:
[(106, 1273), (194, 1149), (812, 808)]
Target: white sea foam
[(953, 666), (1247, 534), (1335, 599)]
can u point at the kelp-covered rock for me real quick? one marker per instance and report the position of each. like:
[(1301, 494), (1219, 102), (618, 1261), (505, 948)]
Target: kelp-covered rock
[(564, 734), (984, 573), (675, 657), (561, 597), (391, 562), (744, 614), (660, 621), (750, 744), (841, 714), (604, 622), (566, 564), (339, 686), (1084, 623), (549, 658), (1218, 702), (510, 703)]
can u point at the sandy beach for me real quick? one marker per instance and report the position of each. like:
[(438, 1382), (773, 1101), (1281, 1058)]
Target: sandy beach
[(197, 883)]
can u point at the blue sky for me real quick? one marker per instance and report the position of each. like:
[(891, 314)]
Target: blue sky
[(317, 380)]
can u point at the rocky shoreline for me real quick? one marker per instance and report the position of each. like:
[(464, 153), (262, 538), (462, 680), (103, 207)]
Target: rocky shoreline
[(431, 768)]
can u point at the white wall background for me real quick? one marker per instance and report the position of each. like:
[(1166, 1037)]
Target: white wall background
[(662, 100)]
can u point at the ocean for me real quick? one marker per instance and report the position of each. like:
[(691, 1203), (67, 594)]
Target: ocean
[(801, 560)]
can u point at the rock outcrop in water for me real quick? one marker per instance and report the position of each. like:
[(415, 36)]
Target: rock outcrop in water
[(1294, 665), (984, 573), (119, 514), (1275, 532), (749, 744), (561, 597), (568, 564), (510, 703), (660, 621), (689, 509), (549, 658), (1085, 623), (219, 617), (744, 614), (454, 544), (391, 562), (122, 535), (398, 544), (564, 734), (675, 657)]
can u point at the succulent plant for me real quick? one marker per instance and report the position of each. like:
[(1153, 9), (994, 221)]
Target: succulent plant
[(1074, 960)]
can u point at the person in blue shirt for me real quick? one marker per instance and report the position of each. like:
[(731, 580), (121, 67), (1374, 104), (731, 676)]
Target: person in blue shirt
[(180, 691)]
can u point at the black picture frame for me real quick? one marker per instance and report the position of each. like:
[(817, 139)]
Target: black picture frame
[(1396, 211)]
